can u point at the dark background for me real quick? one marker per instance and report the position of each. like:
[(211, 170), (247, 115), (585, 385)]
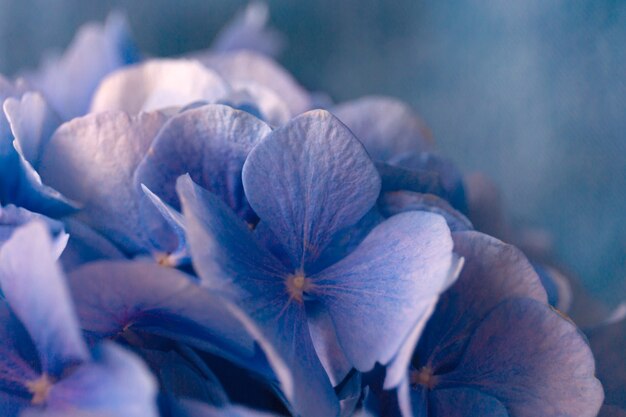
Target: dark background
[(531, 92)]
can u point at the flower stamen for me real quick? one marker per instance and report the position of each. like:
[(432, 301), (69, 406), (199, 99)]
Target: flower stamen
[(40, 388), (297, 284)]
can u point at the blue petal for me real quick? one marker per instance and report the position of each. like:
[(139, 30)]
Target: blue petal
[(378, 293), (464, 402), (399, 201), (116, 383), (196, 409), (532, 360), (308, 180), (211, 144), (32, 124), (11, 217), (69, 82), (103, 151), (259, 101), (611, 411), (227, 257), (493, 272), (249, 30), (86, 245), (115, 297), (37, 294), (387, 127), (248, 66), (158, 84)]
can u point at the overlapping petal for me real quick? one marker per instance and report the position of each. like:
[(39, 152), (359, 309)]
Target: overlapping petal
[(308, 180), (37, 294), (103, 150)]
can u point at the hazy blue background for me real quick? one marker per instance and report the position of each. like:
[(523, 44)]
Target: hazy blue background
[(531, 92)]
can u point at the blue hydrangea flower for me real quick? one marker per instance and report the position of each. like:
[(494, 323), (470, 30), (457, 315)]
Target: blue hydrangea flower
[(494, 347), (307, 181), (44, 362)]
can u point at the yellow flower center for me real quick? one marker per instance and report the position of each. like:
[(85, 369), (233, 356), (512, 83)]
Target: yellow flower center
[(423, 377), (40, 388), (297, 284)]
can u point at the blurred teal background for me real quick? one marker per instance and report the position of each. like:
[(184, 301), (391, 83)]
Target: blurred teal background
[(533, 92)]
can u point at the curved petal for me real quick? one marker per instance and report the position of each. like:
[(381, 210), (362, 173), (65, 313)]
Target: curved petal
[(210, 143), (70, 81), (86, 245), (308, 180), (103, 150), (113, 297), (270, 106), (464, 402), (493, 272), (244, 66), (37, 294), (115, 383), (158, 84), (249, 30), (611, 411), (378, 293), (399, 201), (386, 126), (32, 124), (531, 359), (227, 256)]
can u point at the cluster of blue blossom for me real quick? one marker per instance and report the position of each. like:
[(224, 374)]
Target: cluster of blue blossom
[(196, 237)]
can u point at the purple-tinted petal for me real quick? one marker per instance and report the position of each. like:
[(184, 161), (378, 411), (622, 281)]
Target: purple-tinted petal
[(308, 180), (386, 126), (400, 201), (116, 383), (86, 245), (258, 100), (197, 409), (246, 66), (464, 402), (608, 343), (227, 257), (493, 272), (158, 84), (70, 81), (12, 217), (378, 293), (103, 151), (37, 294), (532, 360), (211, 144), (249, 30), (32, 124)]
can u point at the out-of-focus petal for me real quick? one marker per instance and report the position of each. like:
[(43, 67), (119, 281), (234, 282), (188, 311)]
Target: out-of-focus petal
[(158, 84), (249, 66), (92, 160), (249, 30), (37, 294), (532, 360), (400, 201), (493, 272), (386, 126), (70, 81), (464, 402), (116, 383), (378, 293), (32, 124), (308, 180)]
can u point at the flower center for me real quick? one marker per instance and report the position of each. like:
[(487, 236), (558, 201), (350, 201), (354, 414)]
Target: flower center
[(40, 388), (423, 377), (297, 284), (165, 259)]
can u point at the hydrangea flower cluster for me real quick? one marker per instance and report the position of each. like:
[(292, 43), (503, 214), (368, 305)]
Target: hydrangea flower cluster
[(202, 236)]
